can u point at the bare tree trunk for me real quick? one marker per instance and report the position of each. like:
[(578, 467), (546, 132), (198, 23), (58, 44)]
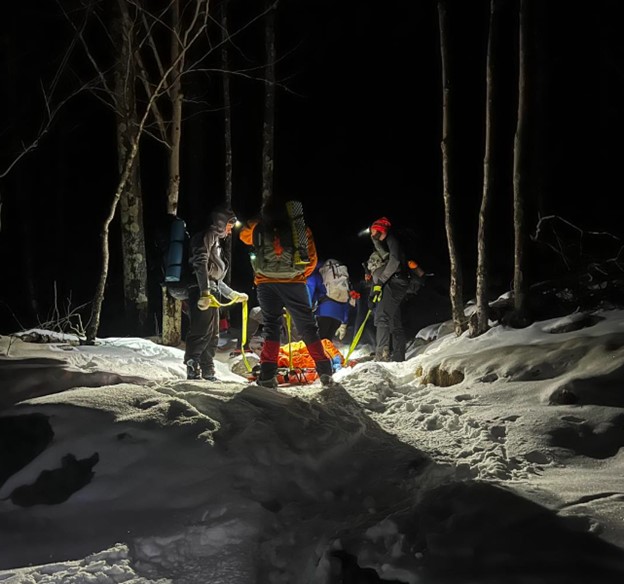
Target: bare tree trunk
[(540, 144), (98, 298), (455, 290), (268, 142), (479, 320), (175, 93), (520, 174), (131, 203), (172, 308), (227, 127)]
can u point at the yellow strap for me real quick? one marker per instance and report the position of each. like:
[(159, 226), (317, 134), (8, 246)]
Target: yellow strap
[(356, 338), (214, 303), (288, 330), (244, 336)]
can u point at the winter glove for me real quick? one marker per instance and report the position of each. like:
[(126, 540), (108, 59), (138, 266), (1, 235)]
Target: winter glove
[(375, 296), (342, 331), (239, 297), (206, 301)]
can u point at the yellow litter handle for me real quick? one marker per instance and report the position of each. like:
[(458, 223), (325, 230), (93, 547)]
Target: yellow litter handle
[(288, 330), (214, 303), (244, 335), (356, 338)]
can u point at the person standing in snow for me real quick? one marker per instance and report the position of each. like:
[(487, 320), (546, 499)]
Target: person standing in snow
[(281, 284), (390, 283), (209, 267), (331, 316)]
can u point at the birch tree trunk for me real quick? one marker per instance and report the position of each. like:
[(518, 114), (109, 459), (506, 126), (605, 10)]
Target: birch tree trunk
[(156, 91), (227, 126), (479, 320), (268, 134), (172, 308), (131, 201), (520, 174), (455, 289)]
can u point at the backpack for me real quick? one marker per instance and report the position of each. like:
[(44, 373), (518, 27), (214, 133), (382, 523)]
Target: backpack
[(336, 280), (174, 248), (294, 209), (374, 262), (273, 255)]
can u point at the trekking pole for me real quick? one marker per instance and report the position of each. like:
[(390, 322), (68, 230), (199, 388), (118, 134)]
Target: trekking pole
[(244, 335), (356, 338)]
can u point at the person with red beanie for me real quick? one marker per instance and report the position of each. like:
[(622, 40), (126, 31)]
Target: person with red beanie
[(390, 282)]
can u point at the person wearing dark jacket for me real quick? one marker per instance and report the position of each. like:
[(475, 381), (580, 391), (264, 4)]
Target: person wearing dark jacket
[(209, 267), (281, 284), (390, 282)]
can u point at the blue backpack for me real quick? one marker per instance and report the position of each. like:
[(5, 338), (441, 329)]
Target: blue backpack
[(176, 271)]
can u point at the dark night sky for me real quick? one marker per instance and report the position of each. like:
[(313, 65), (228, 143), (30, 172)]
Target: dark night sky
[(358, 134)]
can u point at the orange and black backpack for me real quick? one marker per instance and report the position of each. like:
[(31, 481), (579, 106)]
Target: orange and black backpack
[(273, 253)]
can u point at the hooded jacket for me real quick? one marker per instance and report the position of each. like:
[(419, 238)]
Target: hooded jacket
[(206, 255)]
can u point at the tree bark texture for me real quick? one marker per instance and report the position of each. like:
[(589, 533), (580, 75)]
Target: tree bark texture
[(227, 127), (131, 202), (268, 130), (157, 90), (455, 289), (479, 321), (172, 308), (521, 171)]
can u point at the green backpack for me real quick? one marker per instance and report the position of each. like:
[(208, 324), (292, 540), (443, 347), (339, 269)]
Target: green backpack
[(273, 255)]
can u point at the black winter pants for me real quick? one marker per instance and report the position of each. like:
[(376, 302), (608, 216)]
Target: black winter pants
[(293, 296), (389, 321), (202, 337)]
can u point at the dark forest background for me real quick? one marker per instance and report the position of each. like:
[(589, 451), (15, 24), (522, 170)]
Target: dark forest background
[(357, 136)]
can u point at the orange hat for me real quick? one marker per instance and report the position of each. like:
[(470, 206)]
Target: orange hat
[(381, 225)]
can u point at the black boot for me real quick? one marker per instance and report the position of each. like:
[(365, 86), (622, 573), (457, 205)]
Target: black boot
[(324, 370), (193, 370), (208, 372), (382, 355), (268, 375)]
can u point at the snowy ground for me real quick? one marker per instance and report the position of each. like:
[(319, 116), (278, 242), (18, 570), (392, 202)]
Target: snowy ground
[(496, 459)]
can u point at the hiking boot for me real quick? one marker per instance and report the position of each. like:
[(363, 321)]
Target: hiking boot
[(324, 368), (208, 372), (383, 355), (326, 380), (270, 383), (193, 370), (268, 375)]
